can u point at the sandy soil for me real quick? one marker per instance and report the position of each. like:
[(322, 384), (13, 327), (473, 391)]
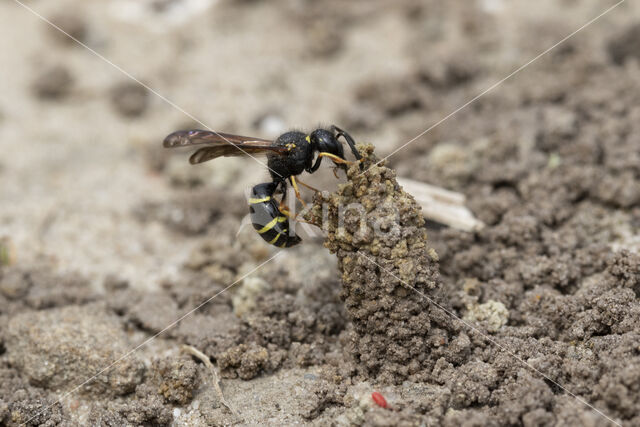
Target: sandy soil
[(106, 239)]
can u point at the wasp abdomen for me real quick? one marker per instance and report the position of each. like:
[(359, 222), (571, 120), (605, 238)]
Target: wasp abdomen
[(267, 219)]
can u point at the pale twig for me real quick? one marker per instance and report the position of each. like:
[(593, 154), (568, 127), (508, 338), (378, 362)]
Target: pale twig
[(443, 206), (214, 374)]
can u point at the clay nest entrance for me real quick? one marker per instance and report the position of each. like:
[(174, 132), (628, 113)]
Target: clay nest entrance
[(389, 273)]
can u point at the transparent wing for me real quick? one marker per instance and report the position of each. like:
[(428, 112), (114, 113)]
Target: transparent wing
[(218, 144)]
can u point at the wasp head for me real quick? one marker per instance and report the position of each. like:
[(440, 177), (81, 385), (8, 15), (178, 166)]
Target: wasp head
[(324, 141)]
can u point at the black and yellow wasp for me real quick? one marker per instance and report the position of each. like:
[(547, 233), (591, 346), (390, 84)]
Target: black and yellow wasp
[(287, 157)]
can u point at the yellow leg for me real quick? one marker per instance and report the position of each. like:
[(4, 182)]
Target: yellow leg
[(286, 212), (284, 209), (308, 186), (335, 158), (295, 188)]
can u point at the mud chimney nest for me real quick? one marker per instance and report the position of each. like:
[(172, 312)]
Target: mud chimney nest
[(389, 273)]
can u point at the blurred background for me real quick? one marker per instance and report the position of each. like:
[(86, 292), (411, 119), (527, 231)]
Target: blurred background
[(106, 238), (87, 187)]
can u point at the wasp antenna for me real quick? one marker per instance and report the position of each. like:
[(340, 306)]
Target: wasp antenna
[(350, 141)]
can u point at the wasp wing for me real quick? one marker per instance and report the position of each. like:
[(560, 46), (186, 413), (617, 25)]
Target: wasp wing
[(183, 138), (218, 144), (246, 149)]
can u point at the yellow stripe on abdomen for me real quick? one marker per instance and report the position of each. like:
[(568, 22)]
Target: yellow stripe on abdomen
[(275, 239), (269, 226)]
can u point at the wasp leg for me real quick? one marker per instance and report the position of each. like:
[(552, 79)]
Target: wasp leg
[(286, 212), (307, 222), (335, 158), (297, 191), (340, 162), (284, 209), (308, 186)]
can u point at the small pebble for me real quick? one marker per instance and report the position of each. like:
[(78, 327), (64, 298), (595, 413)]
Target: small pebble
[(269, 124), (71, 24), (625, 45), (130, 99), (53, 82)]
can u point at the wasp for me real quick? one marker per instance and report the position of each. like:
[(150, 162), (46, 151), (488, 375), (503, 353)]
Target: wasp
[(288, 156)]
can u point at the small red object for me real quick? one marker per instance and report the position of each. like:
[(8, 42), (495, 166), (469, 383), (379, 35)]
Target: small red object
[(379, 399)]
